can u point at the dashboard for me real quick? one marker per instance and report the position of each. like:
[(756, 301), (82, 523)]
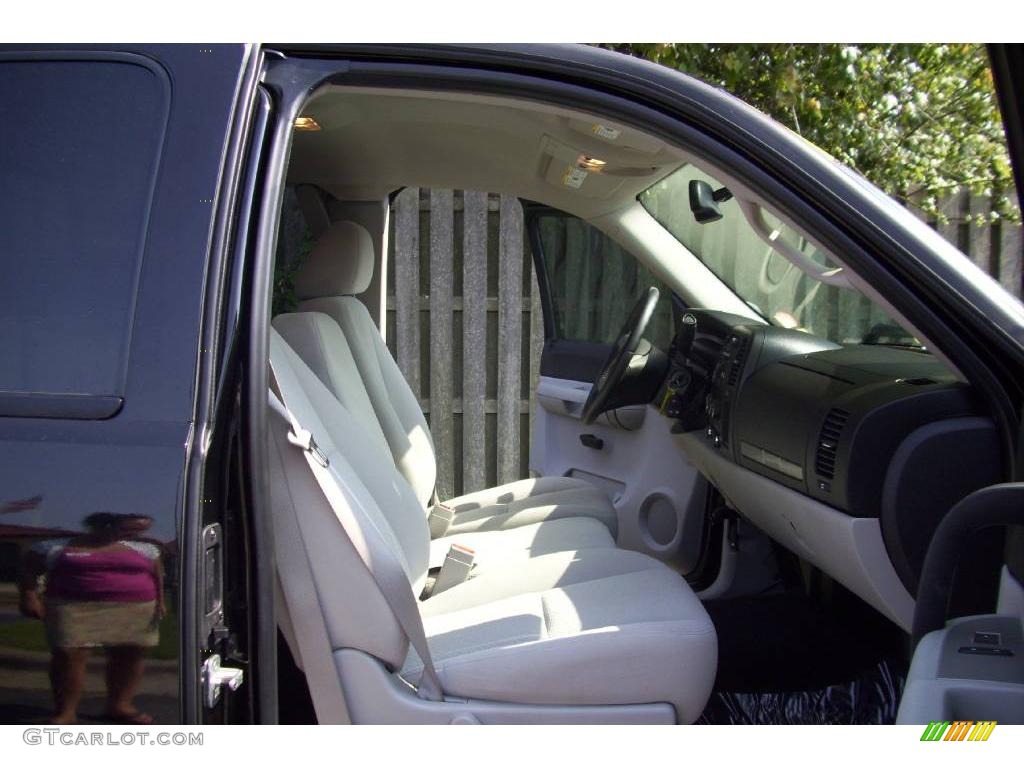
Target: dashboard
[(882, 437)]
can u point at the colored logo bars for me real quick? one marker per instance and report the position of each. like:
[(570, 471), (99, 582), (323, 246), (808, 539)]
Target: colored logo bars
[(960, 730)]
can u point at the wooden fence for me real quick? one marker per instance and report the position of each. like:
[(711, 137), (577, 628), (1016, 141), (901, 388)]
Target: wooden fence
[(996, 248), (465, 324)]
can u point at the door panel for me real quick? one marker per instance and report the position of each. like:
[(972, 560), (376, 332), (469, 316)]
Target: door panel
[(564, 397), (968, 668), (658, 494), (572, 359), (588, 284)]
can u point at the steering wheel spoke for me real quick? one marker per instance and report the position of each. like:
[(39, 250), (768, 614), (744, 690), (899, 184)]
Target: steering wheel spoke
[(601, 397)]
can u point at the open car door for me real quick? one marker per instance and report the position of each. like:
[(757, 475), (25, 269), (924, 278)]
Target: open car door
[(972, 668), (592, 290)]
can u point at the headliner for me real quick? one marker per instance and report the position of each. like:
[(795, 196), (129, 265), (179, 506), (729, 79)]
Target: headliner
[(374, 141)]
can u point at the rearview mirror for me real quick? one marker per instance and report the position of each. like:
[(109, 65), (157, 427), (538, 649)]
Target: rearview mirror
[(704, 201)]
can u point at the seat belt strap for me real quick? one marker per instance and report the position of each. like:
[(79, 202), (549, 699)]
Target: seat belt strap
[(367, 541), (295, 581)]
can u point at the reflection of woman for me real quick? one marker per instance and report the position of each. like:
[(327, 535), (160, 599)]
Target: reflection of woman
[(102, 590)]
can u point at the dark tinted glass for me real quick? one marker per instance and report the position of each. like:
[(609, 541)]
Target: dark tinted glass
[(595, 282), (80, 143)]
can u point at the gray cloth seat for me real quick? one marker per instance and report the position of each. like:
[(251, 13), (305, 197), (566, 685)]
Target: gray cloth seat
[(592, 627), (319, 342), (514, 545), (525, 502), (340, 267)]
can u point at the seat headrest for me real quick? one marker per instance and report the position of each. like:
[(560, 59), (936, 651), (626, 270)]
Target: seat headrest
[(340, 264)]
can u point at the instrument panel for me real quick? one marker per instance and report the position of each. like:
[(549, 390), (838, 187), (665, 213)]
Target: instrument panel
[(870, 431)]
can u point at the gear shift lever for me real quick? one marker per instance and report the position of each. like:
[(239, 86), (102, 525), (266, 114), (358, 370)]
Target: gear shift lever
[(687, 333)]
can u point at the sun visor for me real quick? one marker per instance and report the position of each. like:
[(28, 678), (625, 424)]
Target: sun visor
[(612, 135), (585, 171)]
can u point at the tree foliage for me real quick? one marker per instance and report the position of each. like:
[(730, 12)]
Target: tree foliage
[(917, 120)]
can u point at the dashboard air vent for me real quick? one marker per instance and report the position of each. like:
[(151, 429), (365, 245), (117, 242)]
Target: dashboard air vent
[(738, 361), (828, 442)]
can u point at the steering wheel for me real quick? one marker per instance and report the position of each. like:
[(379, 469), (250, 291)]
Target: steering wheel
[(617, 362)]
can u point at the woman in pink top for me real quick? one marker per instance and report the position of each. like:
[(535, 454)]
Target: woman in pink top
[(102, 589)]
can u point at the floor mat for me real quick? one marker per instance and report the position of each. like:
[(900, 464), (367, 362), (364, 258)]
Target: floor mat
[(786, 659), (870, 699), (786, 642)]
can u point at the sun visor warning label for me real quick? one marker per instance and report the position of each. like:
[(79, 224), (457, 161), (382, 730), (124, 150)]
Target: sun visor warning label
[(574, 177), (605, 132)]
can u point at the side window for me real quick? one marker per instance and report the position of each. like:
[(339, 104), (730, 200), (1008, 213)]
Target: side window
[(594, 282), (80, 145)]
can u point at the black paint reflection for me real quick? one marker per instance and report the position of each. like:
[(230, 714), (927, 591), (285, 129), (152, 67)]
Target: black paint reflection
[(103, 589), (84, 622)]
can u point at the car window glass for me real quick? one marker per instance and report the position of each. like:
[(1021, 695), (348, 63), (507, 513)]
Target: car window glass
[(764, 279), (80, 142), (594, 282)]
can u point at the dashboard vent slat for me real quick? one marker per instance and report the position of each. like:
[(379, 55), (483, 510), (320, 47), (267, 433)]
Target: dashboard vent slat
[(828, 442), (738, 361)]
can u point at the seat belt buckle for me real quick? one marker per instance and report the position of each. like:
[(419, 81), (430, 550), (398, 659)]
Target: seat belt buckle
[(455, 569), (440, 519)]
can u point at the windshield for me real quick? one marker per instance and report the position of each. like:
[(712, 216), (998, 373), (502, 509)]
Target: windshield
[(769, 283)]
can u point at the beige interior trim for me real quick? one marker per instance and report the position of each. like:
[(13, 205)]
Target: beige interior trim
[(373, 141), (849, 549)]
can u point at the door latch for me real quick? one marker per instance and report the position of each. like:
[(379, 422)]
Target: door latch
[(212, 583), (215, 677)]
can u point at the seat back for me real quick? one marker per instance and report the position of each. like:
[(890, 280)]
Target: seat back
[(340, 267), (319, 343), (356, 613)]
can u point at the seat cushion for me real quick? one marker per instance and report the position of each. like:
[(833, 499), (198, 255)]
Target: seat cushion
[(525, 502), (515, 545), (596, 626)]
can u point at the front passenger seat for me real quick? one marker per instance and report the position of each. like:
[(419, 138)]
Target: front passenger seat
[(339, 268), (598, 635)]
